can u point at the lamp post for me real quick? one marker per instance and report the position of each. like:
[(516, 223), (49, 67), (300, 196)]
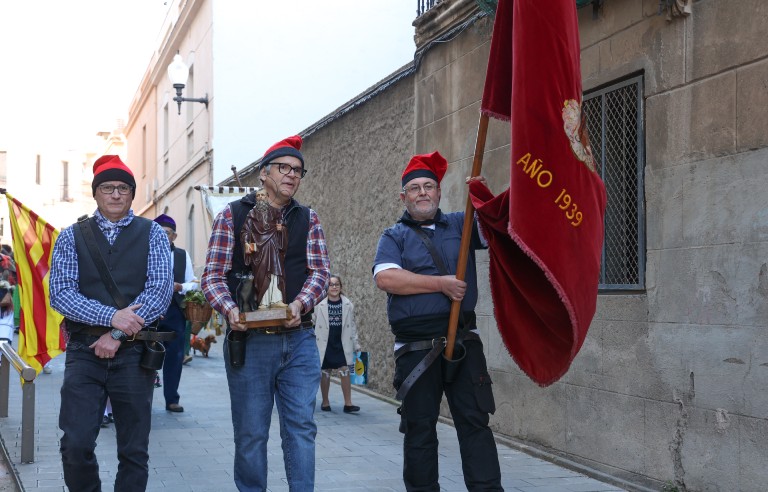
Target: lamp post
[(178, 72)]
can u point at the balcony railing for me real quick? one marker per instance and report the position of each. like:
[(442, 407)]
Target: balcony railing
[(424, 5), (490, 5)]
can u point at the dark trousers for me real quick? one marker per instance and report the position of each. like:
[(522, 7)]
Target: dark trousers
[(88, 381), (187, 337), (174, 352), (470, 399)]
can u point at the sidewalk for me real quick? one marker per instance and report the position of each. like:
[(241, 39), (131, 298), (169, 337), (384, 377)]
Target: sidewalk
[(193, 451)]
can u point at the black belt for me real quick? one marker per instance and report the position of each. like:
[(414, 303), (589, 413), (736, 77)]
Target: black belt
[(153, 335), (280, 330), (436, 345)]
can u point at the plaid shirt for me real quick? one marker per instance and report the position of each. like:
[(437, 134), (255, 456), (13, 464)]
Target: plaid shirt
[(218, 262), (64, 278)]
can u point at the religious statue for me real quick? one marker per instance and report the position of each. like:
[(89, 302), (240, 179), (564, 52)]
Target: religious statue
[(264, 238)]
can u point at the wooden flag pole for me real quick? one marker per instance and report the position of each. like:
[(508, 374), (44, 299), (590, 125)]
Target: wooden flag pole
[(466, 235)]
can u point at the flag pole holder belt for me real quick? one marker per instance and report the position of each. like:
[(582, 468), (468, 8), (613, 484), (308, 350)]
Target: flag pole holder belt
[(150, 335), (435, 347)]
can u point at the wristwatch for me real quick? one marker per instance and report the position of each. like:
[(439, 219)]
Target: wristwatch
[(117, 334)]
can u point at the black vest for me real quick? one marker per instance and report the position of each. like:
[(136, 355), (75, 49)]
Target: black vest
[(296, 272), (179, 268), (126, 260)]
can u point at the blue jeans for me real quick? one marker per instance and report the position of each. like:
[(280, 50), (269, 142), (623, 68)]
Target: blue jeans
[(174, 352), (88, 381), (282, 370)]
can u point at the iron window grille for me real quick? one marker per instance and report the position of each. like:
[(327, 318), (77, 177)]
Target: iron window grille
[(616, 130)]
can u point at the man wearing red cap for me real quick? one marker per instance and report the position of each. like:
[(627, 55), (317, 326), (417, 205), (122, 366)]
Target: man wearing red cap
[(281, 363), (110, 278), (415, 265)]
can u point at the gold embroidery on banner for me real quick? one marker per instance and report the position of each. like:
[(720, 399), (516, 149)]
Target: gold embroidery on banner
[(534, 169), (575, 126)]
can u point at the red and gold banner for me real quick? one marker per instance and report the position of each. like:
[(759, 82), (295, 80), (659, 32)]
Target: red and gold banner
[(546, 230), (40, 327)]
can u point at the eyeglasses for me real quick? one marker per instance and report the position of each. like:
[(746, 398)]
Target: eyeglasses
[(334, 285), (121, 189), (285, 168), (415, 189)]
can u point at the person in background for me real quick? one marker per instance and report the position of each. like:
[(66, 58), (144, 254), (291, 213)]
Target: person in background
[(16, 308), (415, 265), (7, 265), (6, 311), (187, 343), (281, 361), (174, 321), (337, 342), (8, 274), (107, 336)]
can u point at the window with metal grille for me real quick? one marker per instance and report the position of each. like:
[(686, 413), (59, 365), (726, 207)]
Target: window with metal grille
[(616, 131)]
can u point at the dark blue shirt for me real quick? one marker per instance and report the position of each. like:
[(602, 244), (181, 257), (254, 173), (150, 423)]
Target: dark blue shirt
[(401, 246)]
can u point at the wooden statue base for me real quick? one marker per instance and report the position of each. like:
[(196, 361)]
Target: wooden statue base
[(265, 317)]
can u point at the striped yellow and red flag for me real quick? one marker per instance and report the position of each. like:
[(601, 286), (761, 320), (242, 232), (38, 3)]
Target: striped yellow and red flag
[(40, 326)]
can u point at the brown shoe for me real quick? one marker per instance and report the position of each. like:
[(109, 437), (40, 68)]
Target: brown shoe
[(174, 407)]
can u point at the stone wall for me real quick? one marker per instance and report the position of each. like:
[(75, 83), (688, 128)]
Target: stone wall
[(672, 382)]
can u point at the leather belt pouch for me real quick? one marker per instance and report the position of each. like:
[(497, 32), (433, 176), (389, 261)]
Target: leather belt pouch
[(451, 366), (153, 356), (236, 347)]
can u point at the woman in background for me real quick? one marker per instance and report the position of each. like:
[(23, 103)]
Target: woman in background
[(336, 334)]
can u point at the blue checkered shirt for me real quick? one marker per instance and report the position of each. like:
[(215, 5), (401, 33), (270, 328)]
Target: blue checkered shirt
[(64, 287)]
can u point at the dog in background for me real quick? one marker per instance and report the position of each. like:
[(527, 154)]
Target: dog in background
[(202, 344)]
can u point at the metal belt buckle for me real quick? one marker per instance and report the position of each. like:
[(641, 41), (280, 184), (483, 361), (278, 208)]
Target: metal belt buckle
[(132, 339), (443, 341), (272, 330)]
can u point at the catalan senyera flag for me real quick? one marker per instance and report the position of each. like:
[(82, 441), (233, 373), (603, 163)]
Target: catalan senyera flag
[(545, 231), (40, 327)]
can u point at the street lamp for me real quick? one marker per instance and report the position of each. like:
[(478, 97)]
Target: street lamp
[(178, 72)]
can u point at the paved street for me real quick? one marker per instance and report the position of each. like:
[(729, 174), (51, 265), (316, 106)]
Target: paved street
[(193, 451)]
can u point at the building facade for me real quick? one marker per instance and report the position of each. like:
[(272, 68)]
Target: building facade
[(54, 183), (170, 143)]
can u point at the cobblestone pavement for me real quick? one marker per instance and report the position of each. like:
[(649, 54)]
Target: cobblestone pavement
[(193, 451)]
